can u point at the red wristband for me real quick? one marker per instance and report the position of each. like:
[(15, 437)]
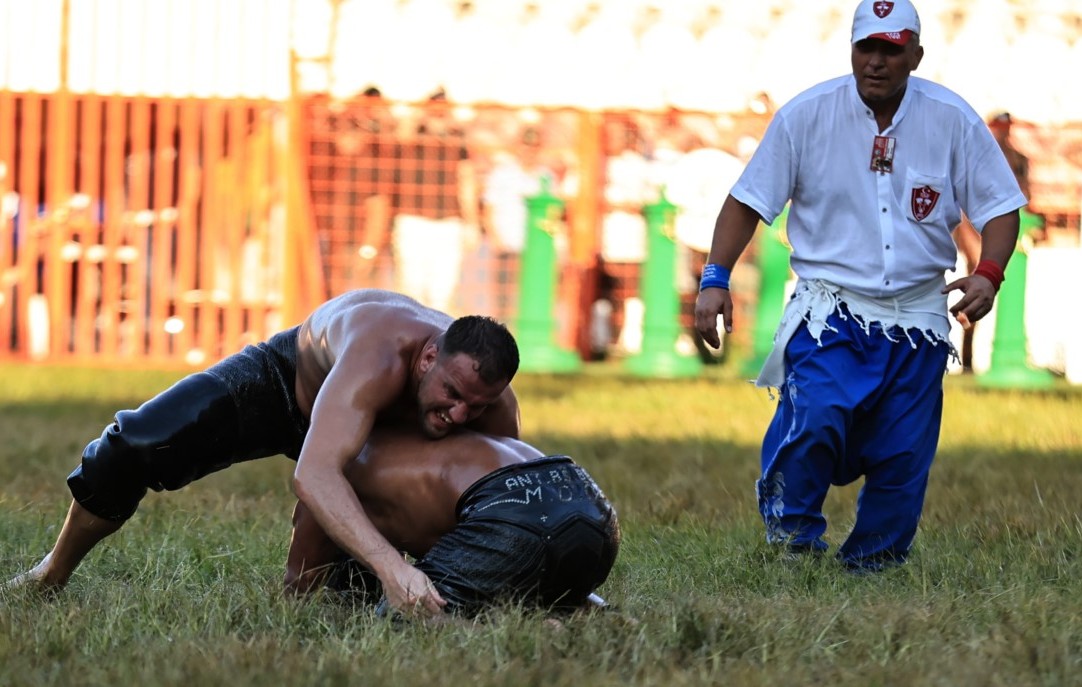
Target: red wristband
[(991, 271)]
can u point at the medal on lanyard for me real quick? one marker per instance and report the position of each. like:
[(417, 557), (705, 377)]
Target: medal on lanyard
[(883, 154)]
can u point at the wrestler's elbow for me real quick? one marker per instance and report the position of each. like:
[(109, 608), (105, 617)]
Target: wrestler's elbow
[(305, 485)]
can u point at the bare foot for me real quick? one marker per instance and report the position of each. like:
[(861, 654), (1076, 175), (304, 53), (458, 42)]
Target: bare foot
[(36, 579)]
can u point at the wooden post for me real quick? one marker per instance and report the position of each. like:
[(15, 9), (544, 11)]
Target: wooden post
[(138, 225), (9, 275), (93, 255), (162, 281), (581, 289), (188, 194), (116, 129), (59, 174), (29, 225)]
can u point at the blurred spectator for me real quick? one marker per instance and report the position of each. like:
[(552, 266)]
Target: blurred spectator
[(696, 182), (364, 145), (627, 188), (969, 247), (435, 204), (628, 185), (1000, 125), (516, 175)]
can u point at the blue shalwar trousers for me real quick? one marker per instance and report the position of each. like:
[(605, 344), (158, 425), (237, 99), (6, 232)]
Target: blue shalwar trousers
[(860, 404)]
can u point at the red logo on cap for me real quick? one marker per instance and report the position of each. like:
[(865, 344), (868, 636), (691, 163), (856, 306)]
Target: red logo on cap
[(882, 8), (923, 202)]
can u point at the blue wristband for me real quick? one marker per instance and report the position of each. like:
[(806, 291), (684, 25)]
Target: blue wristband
[(714, 277)]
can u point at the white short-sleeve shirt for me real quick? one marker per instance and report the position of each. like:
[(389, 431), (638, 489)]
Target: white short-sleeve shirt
[(877, 233)]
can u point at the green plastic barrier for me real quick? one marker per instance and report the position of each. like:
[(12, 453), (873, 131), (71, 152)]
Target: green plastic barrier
[(661, 301), (1008, 368), (535, 326)]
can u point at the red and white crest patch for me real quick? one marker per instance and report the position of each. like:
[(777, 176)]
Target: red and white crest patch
[(923, 201), (882, 8)]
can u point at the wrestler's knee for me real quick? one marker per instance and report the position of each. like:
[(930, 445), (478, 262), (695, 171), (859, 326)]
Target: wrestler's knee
[(579, 560), (110, 481), (173, 439)]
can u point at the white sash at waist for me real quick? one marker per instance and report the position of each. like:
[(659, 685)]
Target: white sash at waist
[(923, 308)]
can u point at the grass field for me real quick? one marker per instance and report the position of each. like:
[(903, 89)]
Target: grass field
[(188, 592)]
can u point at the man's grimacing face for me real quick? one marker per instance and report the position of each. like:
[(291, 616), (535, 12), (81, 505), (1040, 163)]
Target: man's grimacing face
[(451, 393)]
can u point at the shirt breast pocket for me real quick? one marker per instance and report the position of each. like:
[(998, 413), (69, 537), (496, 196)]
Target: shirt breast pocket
[(923, 196)]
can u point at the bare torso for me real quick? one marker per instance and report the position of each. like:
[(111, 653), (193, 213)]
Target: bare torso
[(367, 360), (368, 317), (409, 486)]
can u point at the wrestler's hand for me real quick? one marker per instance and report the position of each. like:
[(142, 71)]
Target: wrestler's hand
[(977, 302), (708, 305), (409, 591)]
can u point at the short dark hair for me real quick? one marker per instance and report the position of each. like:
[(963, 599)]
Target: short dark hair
[(485, 340)]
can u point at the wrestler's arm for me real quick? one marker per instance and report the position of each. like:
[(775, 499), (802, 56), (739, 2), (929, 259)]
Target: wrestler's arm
[(362, 381), (501, 419), (311, 554)]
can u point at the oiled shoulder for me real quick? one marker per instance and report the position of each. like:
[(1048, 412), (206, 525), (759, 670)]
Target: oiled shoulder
[(362, 339), (372, 319)]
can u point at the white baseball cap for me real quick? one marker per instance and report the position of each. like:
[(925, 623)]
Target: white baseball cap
[(895, 21)]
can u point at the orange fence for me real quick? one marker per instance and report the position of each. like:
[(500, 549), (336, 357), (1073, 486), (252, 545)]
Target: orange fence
[(163, 230), (382, 175), (152, 230), (375, 167)]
